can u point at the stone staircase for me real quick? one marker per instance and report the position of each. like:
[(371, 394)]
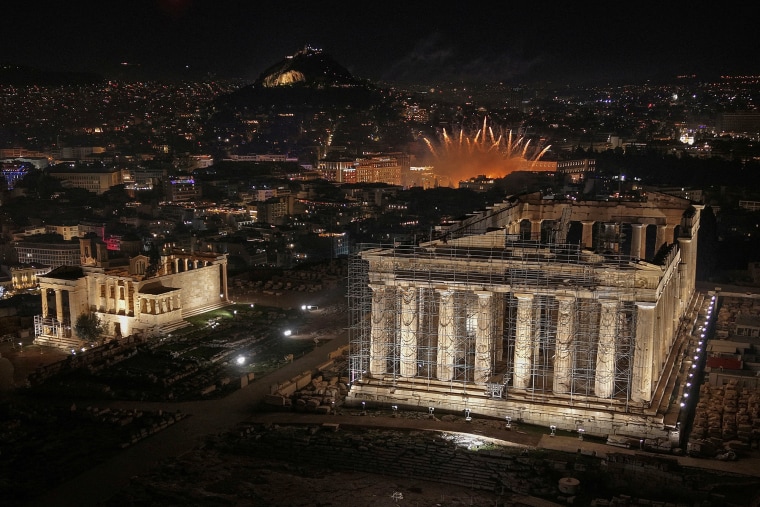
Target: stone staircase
[(204, 309), (65, 343)]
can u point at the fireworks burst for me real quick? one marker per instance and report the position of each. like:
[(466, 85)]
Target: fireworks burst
[(486, 153)]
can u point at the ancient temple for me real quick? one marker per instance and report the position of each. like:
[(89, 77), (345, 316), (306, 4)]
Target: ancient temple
[(138, 297), (558, 313)]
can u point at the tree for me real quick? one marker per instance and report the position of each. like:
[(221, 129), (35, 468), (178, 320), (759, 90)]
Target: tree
[(89, 327)]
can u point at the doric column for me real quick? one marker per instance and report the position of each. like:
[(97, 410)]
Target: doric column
[(587, 235), (379, 332), (176, 264), (484, 337), (664, 235), (59, 305), (498, 316), (638, 247), (604, 379), (408, 332), (563, 359), (687, 261), (643, 353), (446, 329), (523, 341)]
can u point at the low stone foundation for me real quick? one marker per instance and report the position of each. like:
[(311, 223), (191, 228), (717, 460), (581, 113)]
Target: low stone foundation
[(594, 418)]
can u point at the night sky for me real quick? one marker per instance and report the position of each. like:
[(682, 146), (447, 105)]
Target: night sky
[(412, 41)]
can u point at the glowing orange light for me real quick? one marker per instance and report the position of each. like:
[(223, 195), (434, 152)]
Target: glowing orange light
[(462, 157)]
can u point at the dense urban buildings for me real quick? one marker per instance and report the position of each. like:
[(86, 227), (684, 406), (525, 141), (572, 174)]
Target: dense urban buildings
[(529, 252)]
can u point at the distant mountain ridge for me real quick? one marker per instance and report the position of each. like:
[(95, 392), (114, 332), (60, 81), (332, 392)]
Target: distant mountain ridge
[(309, 79), (309, 67)]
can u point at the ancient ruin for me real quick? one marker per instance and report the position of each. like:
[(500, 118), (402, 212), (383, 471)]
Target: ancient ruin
[(139, 297), (559, 313)]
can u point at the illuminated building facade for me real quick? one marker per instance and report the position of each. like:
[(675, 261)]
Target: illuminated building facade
[(97, 181), (50, 254), (183, 189), (132, 298), (535, 309)]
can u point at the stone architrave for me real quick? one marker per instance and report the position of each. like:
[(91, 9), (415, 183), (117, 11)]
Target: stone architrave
[(446, 329), (408, 332), (604, 378), (563, 360), (523, 341)]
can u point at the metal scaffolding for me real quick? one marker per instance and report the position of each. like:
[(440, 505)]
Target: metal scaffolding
[(476, 316)]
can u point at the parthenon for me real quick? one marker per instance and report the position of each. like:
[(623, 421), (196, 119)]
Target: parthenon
[(551, 312)]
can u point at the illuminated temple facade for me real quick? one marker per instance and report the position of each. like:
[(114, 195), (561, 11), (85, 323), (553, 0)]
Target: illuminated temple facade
[(555, 313), (134, 298)]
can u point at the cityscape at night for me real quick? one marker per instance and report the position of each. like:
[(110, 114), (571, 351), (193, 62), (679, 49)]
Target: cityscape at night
[(389, 254)]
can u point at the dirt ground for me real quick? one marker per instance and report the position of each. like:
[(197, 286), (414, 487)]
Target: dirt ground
[(23, 360)]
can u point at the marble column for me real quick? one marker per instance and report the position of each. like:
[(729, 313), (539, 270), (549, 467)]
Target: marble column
[(604, 378), (563, 359), (523, 341), (643, 353), (446, 328), (498, 316), (687, 261), (484, 337), (59, 305), (379, 332), (408, 333), (45, 310), (638, 241), (587, 234), (664, 236)]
